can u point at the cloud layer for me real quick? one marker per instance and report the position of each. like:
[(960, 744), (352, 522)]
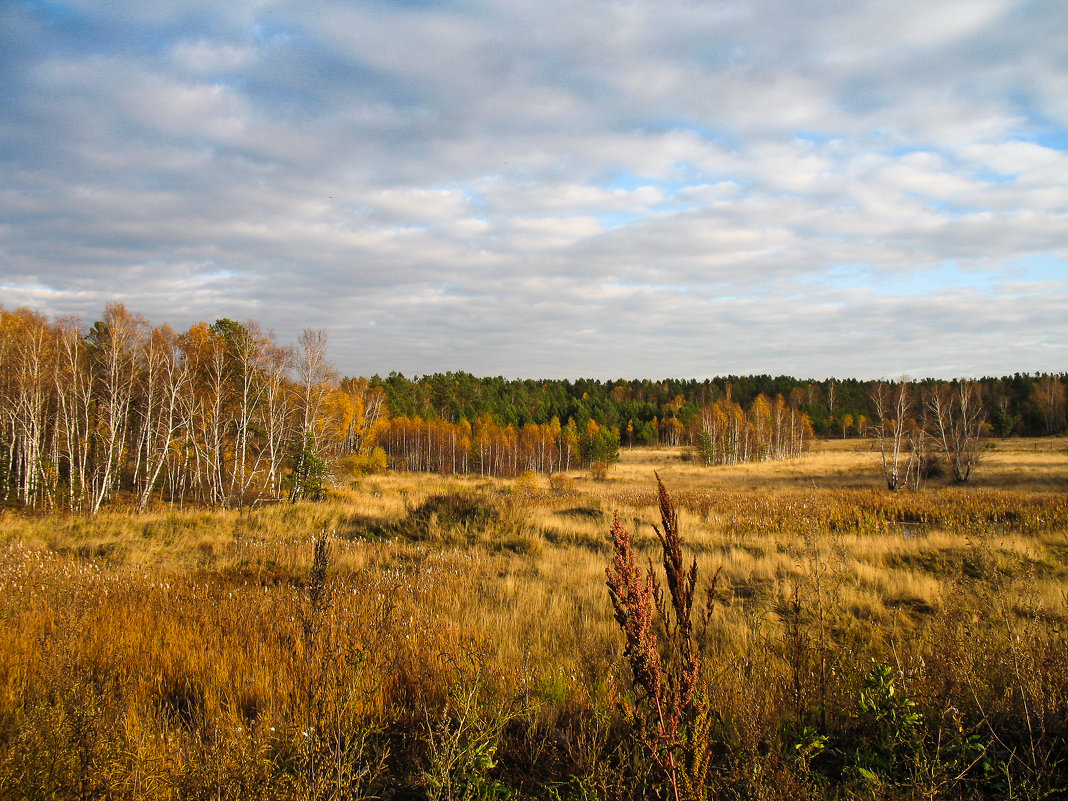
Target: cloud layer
[(552, 189)]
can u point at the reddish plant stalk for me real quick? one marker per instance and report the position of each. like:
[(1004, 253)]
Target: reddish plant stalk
[(665, 669)]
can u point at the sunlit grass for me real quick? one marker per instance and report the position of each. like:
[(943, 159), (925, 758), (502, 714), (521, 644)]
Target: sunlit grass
[(183, 652)]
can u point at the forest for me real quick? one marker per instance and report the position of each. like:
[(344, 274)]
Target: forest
[(224, 415), (650, 412)]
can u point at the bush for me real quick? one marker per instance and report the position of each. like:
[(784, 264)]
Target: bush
[(364, 464), (527, 484), (561, 485)]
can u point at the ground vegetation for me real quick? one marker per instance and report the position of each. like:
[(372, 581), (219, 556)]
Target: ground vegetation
[(420, 636)]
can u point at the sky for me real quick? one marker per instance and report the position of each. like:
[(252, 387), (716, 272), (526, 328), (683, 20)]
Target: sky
[(864, 188)]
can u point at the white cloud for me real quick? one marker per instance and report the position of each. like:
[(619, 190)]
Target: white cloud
[(550, 188), (202, 56)]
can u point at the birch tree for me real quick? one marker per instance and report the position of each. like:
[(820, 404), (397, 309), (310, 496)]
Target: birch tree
[(1049, 399), (278, 412), (315, 378), (29, 393), (73, 381), (893, 405), (958, 420), (113, 340), (165, 378)]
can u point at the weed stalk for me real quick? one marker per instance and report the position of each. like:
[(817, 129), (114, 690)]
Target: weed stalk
[(664, 657)]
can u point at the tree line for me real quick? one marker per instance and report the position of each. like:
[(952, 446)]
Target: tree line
[(224, 415), (722, 433), (491, 449), (649, 412)]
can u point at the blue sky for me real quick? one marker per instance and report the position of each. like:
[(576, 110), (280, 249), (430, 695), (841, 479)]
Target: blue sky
[(552, 189)]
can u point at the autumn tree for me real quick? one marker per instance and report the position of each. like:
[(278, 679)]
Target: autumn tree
[(204, 414), (278, 411), (893, 405), (369, 413), (959, 418), (315, 379), (847, 424), (1048, 398), (113, 345), (164, 378), (73, 383), (27, 345)]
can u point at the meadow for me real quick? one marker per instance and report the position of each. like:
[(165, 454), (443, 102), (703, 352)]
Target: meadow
[(414, 636)]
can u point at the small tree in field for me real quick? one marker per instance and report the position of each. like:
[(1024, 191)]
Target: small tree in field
[(893, 407), (959, 419)]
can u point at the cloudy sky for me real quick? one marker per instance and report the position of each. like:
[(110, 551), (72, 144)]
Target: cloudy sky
[(552, 189)]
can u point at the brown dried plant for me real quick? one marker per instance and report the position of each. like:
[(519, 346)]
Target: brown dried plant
[(661, 648)]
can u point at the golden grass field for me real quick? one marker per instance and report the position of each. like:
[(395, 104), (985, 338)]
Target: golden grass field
[(457, 641)]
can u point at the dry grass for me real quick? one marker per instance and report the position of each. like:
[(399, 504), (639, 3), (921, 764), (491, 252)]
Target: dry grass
[(463, 644), (1028, 464)]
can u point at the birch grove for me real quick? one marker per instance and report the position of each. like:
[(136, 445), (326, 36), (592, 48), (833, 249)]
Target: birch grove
[(123, 412)]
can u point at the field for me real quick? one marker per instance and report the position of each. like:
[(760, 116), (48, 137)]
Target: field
[(419, 637)]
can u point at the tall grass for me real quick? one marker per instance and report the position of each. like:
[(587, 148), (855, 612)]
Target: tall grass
[(420, 638)]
